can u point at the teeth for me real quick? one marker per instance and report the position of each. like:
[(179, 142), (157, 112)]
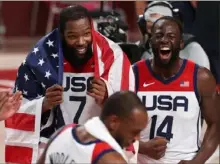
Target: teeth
[(81, 49), (165, 48)]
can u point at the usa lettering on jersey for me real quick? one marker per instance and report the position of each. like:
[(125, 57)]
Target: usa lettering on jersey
[(167, 103)]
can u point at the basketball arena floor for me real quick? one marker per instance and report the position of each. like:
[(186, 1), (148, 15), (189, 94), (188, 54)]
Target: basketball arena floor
[(11, 55)]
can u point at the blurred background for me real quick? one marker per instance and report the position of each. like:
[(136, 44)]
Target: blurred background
[(22, 24)]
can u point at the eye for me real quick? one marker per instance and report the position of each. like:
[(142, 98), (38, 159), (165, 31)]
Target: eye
[(71, 37), (87, 33), (158, 36), (172, 36)]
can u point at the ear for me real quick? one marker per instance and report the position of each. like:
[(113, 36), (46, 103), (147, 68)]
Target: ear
[(113, 122), (150, 40), (181, 44)]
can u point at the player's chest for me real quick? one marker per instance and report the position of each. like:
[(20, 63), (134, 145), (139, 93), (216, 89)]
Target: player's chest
[(183, 104), (77, 82)]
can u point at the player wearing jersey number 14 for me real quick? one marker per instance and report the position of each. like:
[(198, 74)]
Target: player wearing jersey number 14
[(180, 93)]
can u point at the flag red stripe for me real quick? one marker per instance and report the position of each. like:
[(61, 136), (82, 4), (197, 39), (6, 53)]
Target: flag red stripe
[(8, 74), (125, 73), (107, 54), (21, 121), (17, 154), (107, 60)]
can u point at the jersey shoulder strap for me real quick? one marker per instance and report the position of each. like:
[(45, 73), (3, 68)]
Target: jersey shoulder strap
[(100, 149)]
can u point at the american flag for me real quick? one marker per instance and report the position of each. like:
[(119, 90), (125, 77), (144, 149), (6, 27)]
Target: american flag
[(42, 68), (184, 83)]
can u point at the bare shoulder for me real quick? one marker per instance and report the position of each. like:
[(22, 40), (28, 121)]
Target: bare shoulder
[(206, 81), (112, 157), (205, 74)]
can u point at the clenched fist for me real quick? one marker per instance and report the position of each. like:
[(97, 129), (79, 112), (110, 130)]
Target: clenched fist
[(53, 97), (154, 148), (98, 90)]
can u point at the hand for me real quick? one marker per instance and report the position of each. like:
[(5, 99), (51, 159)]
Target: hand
[(53, 97), (155, 148), (98, 90), (9, 104), (189, 162)]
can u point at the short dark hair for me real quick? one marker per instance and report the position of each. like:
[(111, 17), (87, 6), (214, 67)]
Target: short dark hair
[(121, 104), (74, 12), (172, 19)]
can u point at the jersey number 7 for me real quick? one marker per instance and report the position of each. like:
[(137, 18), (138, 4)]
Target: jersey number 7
[(82, 100)]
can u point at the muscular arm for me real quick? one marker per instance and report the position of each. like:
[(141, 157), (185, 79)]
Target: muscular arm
[(209, 107), (113, 158)]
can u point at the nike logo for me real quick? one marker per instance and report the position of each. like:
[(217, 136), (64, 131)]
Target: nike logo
[(146, 85)]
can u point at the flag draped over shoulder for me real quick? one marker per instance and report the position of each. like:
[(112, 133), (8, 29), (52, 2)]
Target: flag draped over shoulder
[(42, 68)]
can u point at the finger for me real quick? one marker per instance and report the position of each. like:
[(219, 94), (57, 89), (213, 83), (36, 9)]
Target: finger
[(3, 94), (54, 99), (160, 141), (91, 94), (16, 106), (97, 92), (55, 87), (17, 96), (98, 81), (3, 101), (99, 87), (161, 154), (100, 98), (57, 103), (161, 148), (159, 138), (181, 162), (54, 93)]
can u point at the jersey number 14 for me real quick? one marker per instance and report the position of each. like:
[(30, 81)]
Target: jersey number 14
[(161, 131)]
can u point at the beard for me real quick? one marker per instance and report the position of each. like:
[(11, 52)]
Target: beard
[(119, 140), (70, 54)]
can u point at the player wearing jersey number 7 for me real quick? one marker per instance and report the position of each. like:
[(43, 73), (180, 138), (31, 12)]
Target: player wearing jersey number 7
[(65, 79), (181, 92)]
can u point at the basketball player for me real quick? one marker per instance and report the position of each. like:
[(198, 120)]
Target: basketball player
[(9, 104), (101, 139), (176, 93), (65, 79)]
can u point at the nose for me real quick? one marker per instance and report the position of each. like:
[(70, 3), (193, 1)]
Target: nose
[(81, 41), (164, 39)]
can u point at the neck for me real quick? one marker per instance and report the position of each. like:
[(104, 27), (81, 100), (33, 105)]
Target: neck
[(168, 71)]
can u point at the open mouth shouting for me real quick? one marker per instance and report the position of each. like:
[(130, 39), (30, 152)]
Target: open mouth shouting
[(165, 52)]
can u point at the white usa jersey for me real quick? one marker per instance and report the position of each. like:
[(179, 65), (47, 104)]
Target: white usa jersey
[(78, 106), (66, 148), (173, 109)]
